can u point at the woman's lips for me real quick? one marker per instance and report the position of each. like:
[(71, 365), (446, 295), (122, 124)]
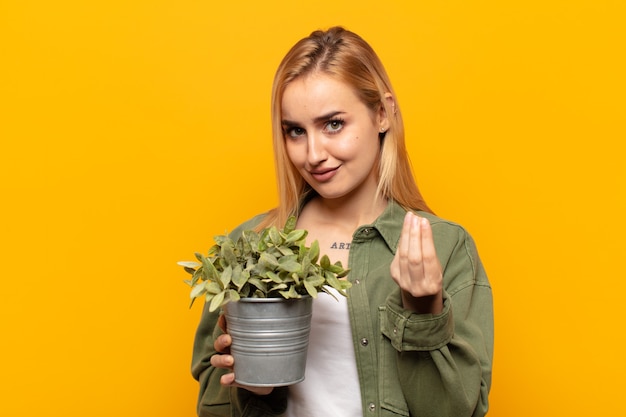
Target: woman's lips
[(323, 175)]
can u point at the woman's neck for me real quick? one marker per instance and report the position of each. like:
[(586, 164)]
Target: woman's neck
[(350, 214)]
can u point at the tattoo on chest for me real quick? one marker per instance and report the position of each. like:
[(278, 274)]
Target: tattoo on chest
[(340, 245)]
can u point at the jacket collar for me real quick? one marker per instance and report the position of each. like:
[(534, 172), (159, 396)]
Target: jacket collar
[(389, 224)]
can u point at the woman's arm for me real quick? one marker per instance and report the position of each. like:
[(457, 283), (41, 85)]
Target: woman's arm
[(444, 360)]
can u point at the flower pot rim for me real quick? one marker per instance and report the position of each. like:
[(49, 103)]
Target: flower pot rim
[(270, 299)]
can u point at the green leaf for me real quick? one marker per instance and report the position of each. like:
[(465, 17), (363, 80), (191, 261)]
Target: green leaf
[(275, 237), (315, 280), (258, 284), (285, 250), (215, 249), (343, 273), (289, 264), (305, 265), (208, 297), (292, 293), (249, 240), (345, 284), (189, 264), (314, 251), (240, 276), (196, 276), (332, 280), (212, 287), (245, 290), (268, 260), (290, 225), (221, 240), (262, 243), (280, 286), (310, 288), (273, 277), (190, 270), (233, 295), (295, 236), (336, 268), (325, 262), (197, 290), (339, 285), (216, 302), (327, 291), (208, 269), (226, 276), (228, 253)]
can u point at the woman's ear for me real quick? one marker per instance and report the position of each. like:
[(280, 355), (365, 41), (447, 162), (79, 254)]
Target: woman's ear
[(383, 115)]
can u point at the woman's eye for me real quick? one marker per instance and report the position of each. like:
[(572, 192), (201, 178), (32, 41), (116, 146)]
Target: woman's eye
[(334, 125), (295, 132)]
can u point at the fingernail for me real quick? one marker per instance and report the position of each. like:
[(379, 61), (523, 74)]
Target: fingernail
[(416, 222)]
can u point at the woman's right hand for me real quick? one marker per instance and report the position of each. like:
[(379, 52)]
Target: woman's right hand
[(225, 360)]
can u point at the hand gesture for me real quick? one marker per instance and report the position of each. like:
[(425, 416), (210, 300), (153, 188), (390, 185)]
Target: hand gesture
[(416, 268)]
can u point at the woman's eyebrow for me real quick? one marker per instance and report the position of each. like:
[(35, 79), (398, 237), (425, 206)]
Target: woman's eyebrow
[(318, 119)]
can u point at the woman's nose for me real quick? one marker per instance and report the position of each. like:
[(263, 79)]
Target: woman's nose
[(316, 151)]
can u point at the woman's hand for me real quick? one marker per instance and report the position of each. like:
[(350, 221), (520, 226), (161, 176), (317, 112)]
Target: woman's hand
[(416, 268), (224, 360)]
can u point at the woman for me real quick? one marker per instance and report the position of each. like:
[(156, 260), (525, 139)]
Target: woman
[(415, 335)]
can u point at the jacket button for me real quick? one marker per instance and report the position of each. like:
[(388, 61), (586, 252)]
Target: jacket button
[(371, 407), (364, 342)]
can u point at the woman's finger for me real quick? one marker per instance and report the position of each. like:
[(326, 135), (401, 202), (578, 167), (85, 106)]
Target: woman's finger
[(229, 380), (222, 343), (429, 254), (222, 361), (414, 256)]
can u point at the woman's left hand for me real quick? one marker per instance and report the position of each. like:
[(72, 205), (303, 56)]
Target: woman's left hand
[(416, 268)]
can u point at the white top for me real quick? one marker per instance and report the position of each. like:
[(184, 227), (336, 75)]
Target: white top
[(331, 383)]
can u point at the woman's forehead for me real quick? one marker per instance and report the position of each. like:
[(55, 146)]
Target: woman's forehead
[(319, 94)]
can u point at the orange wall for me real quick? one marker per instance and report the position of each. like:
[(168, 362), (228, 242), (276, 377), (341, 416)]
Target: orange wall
[(133, 131)]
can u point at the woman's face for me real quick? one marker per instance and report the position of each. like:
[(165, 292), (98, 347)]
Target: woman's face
[(331, 137)]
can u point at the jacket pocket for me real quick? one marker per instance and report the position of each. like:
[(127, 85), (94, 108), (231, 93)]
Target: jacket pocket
[(215, 400), (214, 410), (392, 400)]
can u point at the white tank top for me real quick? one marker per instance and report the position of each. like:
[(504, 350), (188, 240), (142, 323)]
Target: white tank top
[(331, 383)]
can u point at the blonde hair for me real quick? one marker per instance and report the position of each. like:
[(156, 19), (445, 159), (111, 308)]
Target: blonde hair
[(347, 57)]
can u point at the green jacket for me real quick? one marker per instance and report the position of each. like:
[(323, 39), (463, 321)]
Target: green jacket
[(409, 364)]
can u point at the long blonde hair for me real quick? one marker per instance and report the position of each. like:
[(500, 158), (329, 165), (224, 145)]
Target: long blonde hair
[(347, 57)]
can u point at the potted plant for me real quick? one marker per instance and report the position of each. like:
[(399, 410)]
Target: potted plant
[(265, 283)]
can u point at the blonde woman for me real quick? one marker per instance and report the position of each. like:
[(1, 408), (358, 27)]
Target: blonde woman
[(415, 335)]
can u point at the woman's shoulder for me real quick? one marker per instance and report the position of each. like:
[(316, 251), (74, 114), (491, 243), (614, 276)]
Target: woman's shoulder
[(446, 230), (249, 224), (452, 238)]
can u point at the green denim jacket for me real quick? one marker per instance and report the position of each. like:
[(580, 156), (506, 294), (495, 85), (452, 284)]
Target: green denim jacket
[(409, 364)]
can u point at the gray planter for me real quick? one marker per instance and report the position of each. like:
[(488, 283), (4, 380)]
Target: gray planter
[(270, 339)]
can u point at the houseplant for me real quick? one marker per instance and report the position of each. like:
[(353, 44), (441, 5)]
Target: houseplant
[(266, 278)]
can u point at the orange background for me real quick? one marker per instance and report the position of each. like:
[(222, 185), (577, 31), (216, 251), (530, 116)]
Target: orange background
[(133, 131)]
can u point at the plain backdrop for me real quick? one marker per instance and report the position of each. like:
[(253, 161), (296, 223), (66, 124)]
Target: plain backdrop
[(132, 132)]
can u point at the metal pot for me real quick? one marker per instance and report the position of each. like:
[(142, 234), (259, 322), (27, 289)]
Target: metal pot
[(270, 338)]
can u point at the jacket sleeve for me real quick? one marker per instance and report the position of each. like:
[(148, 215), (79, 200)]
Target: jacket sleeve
[(444, 361)]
